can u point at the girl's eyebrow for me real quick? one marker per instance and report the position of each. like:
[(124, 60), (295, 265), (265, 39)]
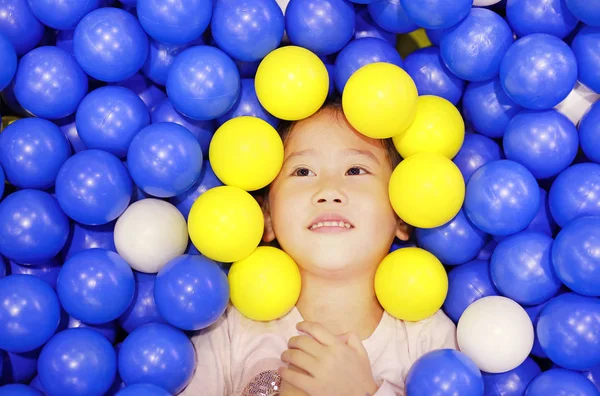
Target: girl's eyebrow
[(365, 153), (300, 153)]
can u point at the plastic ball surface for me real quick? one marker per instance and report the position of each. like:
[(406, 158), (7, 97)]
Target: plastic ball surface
[(93, 187), (589, 133), (49, 83), (20, 26), (391, 16), (275, 274), (174, 23), (226, 224), (496, 333), (145, 389), (411, 284), (476, 151), (538, 71), (191, 292), (563, 381), (437, 14), (246, 152), (291, 83), (61, 14), (29, 315), (19, 390), (586, 47), (33, 228), (112, 291), (206, 95), (9, 57), (535, 16), (426, 190), (110, 45), (586, 11), (32, 150), (380, 100), (77, 361)]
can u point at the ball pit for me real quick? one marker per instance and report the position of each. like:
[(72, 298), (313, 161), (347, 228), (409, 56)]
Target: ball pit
[(133, 132)]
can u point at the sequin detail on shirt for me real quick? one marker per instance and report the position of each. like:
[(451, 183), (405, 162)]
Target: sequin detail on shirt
[(266, 383)]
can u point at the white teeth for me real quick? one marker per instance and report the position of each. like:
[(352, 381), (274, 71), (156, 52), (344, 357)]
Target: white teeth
[(330, 224)]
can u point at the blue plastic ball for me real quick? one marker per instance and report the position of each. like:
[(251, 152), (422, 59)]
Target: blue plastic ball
[(521, 268), (62, 14), (161, 57), (142, 309), (84, 237), (558, 381), (575, 193), (502, 197), (513, 382), (359, 53), (467, 283), (108, 330), (586, 11), (322, 26), (164, 159), (534, 314), (46, 271), (20, 26), (476, 151), (474, 48), (453, 243), (247, 104), (205, 182), (19, 367), (586, 47), (543, 221), (150, 94), (589, 132), (431, 76), (366, 27), (538, 71), (77, 361), (64, 40), (191, 292), (109, 117), (49, 83), (93, 187), (29, 313), (567, 329), (544, 141), (69, 129), (157, 354), (437, 14), (32, 150), (390, 15), (206, 95), (540, 16), (19, 390), (174, 23), (444, 371), (203, 130), (95, 286), (9, 61), (110, 45), (142, 389), (488, 108), (33, 228), (248, 30), (435, 35), (574, 255)]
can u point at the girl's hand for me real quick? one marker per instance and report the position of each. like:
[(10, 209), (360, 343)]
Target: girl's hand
[(332, 365)]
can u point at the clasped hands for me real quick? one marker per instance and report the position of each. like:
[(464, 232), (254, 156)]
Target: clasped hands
[(323, 364)]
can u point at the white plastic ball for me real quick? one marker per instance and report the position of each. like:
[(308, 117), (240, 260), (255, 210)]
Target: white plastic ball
[(575, 105), (496, 333), (484, 3), (149, 234), (283, 4)]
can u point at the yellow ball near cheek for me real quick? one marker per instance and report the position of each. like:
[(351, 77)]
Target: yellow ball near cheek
[(265, 285), (411, 284), (246, 152), (226, 224)]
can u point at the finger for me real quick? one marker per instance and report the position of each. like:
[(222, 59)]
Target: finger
[(354, 342), (300, 359), (294, 378), (318, 332), (306, 344)]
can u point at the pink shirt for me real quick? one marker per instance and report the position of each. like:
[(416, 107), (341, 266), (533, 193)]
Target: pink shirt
[(238, 356)]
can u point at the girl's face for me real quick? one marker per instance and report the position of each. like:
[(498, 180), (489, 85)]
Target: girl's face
[(329, 207)]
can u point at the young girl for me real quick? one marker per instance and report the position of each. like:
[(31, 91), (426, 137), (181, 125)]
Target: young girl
[(329, 210)]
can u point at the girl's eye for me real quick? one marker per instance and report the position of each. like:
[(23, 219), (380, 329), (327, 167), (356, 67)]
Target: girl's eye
[(302, 172), (355, 170)]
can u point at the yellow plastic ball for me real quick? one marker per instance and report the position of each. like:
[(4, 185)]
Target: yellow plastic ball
[(246, 152), (291, 83), (226, 224), (438, 128), (380, 100), (265, 285), (426, 190), (411, 284)]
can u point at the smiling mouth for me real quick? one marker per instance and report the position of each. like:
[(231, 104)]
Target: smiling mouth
[(331, 224)]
